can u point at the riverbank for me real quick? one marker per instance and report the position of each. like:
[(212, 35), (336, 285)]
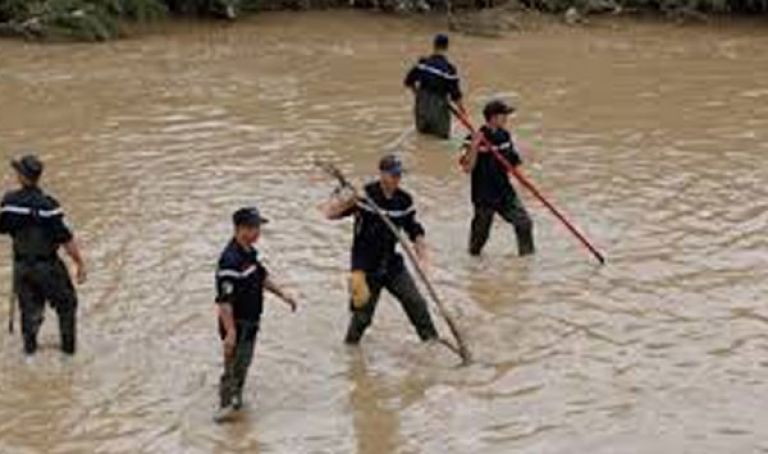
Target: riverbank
[(97, 20)]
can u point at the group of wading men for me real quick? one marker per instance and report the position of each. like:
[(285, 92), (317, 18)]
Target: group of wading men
[(35, 221)]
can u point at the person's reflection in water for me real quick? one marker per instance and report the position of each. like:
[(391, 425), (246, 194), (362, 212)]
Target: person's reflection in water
[(377, 424)]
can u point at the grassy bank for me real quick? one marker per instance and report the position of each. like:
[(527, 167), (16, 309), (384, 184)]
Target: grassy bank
[(96, 20)]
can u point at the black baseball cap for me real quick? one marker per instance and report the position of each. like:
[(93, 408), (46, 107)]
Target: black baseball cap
[(441, 41), (29, 166), (392, 165), (497, 107), (248, 216)]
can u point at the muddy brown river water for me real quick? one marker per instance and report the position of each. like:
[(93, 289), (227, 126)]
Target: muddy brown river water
[(654, 138)]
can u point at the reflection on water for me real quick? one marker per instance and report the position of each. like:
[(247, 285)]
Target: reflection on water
[(653, 138)]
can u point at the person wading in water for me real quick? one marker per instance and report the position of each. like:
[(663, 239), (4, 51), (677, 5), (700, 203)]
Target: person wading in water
[(240, 283), (435, 82), (492, 193), (35, 221), (375, 263)]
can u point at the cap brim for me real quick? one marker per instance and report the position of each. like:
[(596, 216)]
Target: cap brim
[(16, 165), (254, 223), (398, 171)]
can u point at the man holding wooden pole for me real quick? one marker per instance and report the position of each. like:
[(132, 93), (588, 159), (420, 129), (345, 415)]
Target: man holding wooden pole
[(376, 264), (492, 193)]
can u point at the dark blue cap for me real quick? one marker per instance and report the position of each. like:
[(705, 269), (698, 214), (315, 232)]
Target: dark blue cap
[(29, 166), (441, 41), (497, 107), (248, 216), (392, 165)]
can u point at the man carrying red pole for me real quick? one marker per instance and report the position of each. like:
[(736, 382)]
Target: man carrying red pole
[(492, 193)]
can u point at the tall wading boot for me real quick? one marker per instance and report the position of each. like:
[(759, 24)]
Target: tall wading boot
[(30, 344), (358, 323), (68, 331), (31, 320), (405, 290), (226, 386), (480, 229), (525, 245), (243, 360)]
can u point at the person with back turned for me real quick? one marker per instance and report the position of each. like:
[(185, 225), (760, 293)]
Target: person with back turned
[(435, 82), (492, 193), (375, 263), (35, 222), (240, 283)]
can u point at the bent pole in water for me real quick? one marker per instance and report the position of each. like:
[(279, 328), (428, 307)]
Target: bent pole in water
[(462, 117), (461, 348)]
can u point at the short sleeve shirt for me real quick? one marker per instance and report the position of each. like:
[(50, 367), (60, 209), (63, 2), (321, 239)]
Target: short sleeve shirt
[(240, 280), (437, 75), (35, 221), (490, 180), (374, 245)]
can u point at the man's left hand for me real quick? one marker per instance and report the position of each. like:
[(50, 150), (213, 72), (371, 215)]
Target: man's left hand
[(81, 275)]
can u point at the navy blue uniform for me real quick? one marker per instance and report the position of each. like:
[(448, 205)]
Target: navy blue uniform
[(374, 245), (435, 81), (240, 281), (35, 222), (437, 75), (374, 253), (493, 193)]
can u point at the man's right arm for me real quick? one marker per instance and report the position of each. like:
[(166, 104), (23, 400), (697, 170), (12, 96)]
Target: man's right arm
[(468, 160), (456, 95), (227, 318), (225, 294), (412, 79), (340, 206), (6, 224)]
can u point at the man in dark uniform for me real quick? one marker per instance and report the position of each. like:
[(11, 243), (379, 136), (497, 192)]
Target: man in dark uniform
[(240, 283), (375, 263), (492, 192), (435, 83), (35, 221)]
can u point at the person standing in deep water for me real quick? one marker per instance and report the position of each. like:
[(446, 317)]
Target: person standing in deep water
[(492, 193), (240, 283), (376, 265), (435, 83), (35, 222)]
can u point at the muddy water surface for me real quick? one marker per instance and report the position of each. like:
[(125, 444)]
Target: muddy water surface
[(654, 138)]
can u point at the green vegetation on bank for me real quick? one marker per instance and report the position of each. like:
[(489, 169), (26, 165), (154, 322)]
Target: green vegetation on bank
[(98, 20)]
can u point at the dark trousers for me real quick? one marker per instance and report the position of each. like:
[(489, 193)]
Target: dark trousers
[(36, 282), (236, 368), (400, 284), (432, 114), (511, 209)]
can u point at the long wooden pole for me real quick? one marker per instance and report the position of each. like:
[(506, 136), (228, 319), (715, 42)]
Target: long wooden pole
[(461, 346)]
